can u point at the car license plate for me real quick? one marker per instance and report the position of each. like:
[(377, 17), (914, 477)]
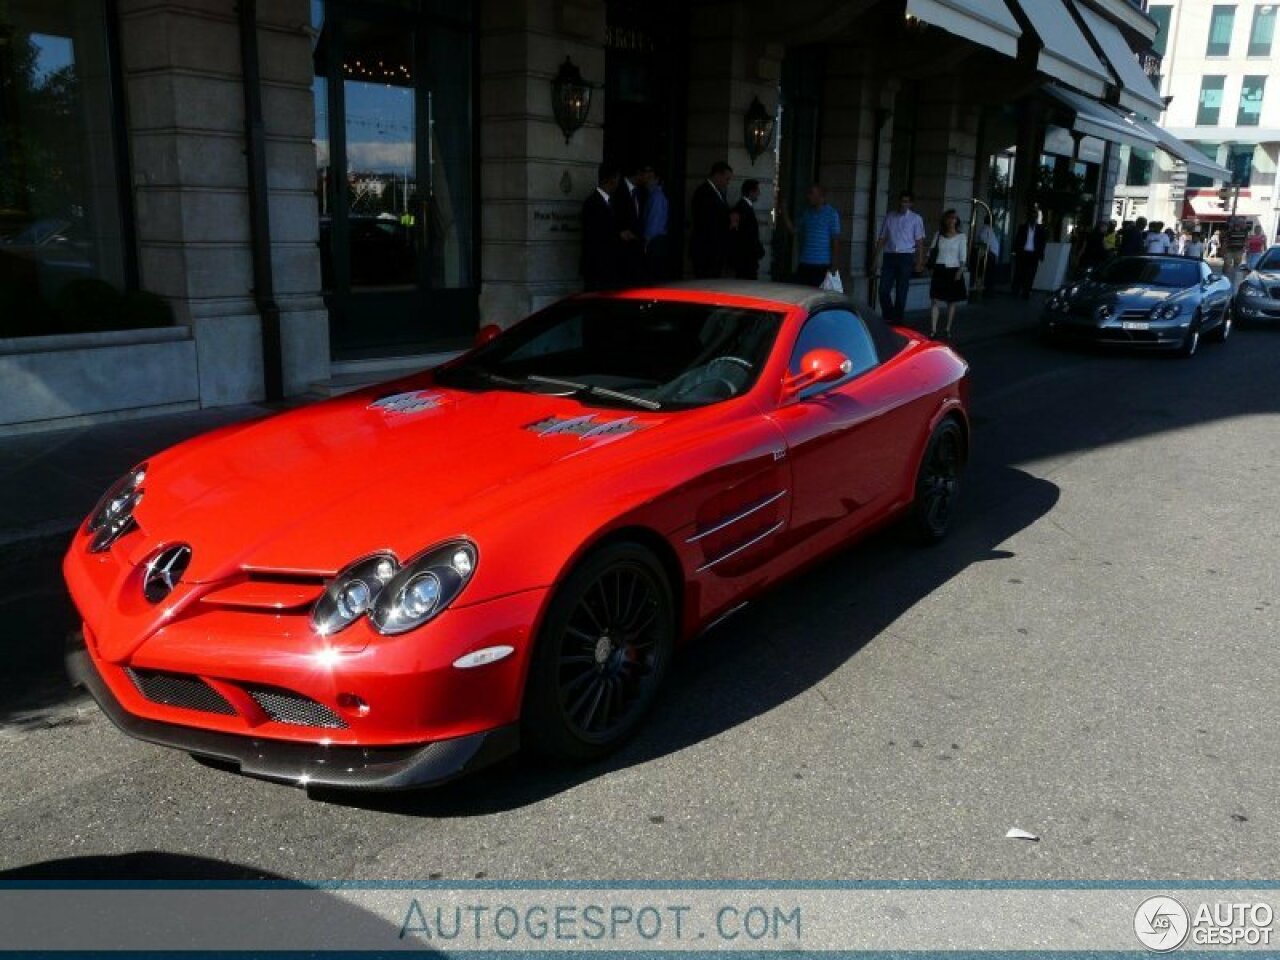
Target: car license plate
[(1135, 325)]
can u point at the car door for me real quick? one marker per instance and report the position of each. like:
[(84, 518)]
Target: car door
[(842, 437), (1215, 292)]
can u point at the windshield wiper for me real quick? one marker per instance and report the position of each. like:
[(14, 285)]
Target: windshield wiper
[(595, 391)]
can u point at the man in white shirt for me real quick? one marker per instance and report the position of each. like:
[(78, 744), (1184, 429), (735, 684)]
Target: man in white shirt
[(901, 251)]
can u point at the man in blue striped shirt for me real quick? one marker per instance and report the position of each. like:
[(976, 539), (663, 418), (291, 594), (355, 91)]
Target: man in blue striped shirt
[(817, 239)]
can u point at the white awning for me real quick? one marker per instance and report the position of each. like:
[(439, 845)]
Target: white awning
[(1196, 161), (1136, 92), (1065, 54), (987, 22), (1094, 119), (1206, 205)]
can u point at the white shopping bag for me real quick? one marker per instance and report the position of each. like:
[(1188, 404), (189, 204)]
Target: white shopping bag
[(832, 282)]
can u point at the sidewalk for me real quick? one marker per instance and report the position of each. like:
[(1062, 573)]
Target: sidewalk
[(50, 481)]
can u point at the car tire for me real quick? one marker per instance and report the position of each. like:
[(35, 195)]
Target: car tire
[(602, 652), (1222, 331), (1191, 342), (938, 483)]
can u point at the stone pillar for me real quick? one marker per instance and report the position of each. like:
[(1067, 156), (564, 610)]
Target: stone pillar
[(946, 154), (183, 81), (728, 66), (532, 183), (857, 180)]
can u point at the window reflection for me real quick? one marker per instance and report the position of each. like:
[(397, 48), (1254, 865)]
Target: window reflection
[(59, 196)]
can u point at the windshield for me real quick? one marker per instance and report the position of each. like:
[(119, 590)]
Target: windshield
[(649, 354), (1153, 271), (1270, 260)]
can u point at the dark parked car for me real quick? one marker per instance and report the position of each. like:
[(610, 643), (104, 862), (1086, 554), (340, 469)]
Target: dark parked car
[(1155, 302), (1258, 297)]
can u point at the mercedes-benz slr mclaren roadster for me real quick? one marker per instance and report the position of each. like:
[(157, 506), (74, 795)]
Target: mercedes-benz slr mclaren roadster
[(395, 587)]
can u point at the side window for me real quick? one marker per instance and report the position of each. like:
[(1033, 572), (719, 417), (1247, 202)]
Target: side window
[(835, 330)]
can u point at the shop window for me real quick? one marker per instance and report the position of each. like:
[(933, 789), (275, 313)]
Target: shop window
[(1221, 24), (1210, 100), (1162, 16), (1263, 30), (1138, 171), (1250, 111), (62, 208), (1210, 150)]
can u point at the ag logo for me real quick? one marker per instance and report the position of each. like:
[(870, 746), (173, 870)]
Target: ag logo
[(1161, 924), (164, 570)]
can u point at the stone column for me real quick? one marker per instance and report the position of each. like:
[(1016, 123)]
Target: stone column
[(857, 180), (946, 155), (728, 66), (183, 79), (532, 183)]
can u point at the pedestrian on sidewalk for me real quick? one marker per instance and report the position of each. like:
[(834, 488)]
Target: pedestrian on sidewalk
[(657, 249), (745, 248), (946, 284), (1233, 246), (1133, 238), (900, 247), (817, 237), (1255, 247), (709, 243), (602, 234), (1028, 245), (1195, 247)]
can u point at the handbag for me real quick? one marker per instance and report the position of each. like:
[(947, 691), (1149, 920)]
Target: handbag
[(933, 253), (832, 282)]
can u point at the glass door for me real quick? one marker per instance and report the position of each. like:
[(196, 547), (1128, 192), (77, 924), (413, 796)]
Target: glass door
[(394, 178)]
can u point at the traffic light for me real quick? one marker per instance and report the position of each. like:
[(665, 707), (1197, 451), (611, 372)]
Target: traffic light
[(1224, 197)]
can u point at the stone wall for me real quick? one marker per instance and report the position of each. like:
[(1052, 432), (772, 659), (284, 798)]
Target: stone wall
[(185, 104), (532, 183)]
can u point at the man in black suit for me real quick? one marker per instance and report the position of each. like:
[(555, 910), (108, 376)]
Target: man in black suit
[(602, 236), (746, 249), (709, 243), (1028, 252), (628, 206)]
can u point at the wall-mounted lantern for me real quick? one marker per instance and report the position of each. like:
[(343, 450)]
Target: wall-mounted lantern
[(570, 98), (757, 129)]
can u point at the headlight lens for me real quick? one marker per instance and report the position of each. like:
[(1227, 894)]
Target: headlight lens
[(112, 518), (1249, 290), (1166, 311), (352, 593), (424, 587)]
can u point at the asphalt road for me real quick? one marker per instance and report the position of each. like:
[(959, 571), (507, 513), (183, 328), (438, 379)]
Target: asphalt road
[(1091, 657)]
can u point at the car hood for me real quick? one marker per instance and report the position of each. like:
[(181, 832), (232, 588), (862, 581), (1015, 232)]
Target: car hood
[(1132, 296), (1265, 278), (395, 468)]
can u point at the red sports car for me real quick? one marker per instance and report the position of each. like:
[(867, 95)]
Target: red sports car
[(395, 587)]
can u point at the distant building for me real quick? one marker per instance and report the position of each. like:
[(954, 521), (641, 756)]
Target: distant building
[(1220, 70)]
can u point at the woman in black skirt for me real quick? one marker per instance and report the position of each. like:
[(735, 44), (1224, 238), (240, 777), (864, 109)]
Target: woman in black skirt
[(947, 283)]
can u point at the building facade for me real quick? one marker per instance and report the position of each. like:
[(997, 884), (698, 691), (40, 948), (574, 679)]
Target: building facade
[(209, 202), (1221, 76)]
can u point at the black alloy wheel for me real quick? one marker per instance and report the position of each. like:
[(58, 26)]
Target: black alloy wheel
[(601, 655), (938, 482)]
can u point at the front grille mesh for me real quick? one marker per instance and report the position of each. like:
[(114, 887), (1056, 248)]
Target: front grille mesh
[(1275, 293), (285, 706), (179, 690)]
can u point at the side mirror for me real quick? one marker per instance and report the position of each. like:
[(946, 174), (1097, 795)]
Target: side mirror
[(486, 333), (1212, 279), (816, 366)]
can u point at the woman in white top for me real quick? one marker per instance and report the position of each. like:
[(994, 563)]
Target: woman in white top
[(947, 283)]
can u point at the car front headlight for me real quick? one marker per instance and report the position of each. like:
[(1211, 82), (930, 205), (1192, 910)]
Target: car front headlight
[(112, 517), (352, 593), (1251, 290), (1166, 311), (424, 588), (395, 598)]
